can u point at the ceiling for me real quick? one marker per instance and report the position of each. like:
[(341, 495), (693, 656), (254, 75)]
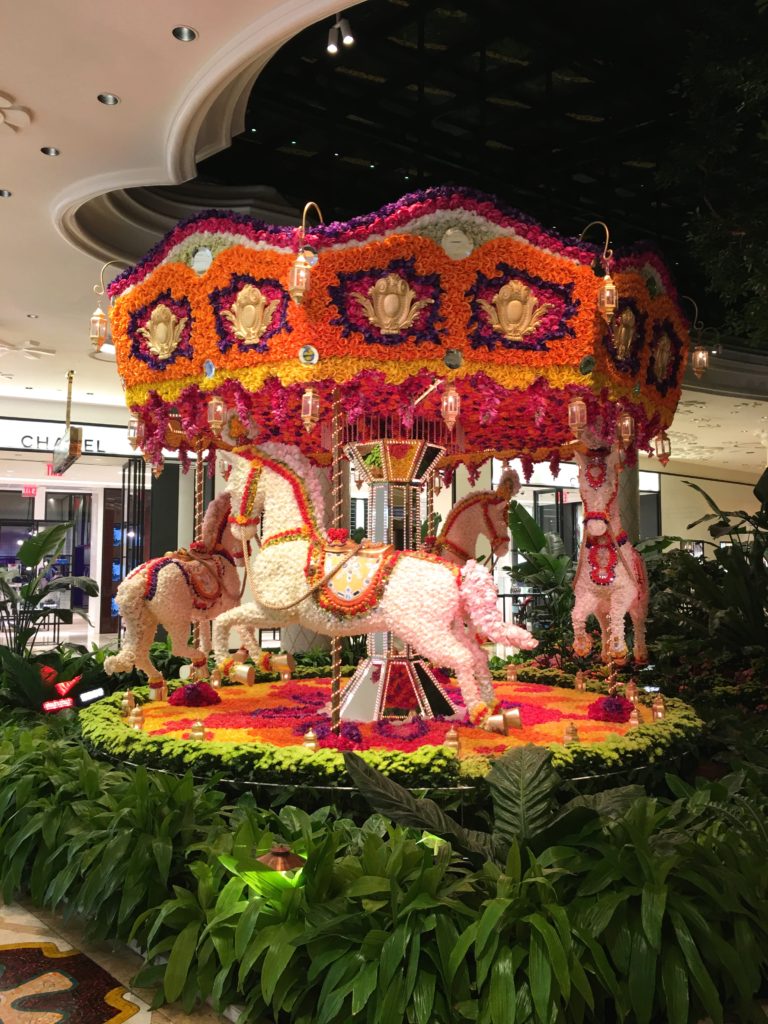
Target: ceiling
[(557, 112)]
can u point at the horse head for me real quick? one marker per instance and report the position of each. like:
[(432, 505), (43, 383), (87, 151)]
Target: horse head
[(242, 471)]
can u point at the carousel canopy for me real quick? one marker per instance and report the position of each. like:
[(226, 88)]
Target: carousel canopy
[(445, 289)]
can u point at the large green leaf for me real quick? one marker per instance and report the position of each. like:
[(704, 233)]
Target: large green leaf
[(43, 544), (395, 802), (526, 532), (522, 784)]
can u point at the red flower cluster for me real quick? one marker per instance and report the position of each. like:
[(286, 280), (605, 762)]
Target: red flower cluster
[(610, 709), (194, 695)]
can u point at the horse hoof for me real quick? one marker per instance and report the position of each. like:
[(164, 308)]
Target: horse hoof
[(495, 723)]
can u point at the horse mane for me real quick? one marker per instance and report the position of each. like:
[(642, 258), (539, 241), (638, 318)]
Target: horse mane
[(215, 520), (308, 473)]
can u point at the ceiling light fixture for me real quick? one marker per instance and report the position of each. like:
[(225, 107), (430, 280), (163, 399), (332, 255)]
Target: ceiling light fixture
[(346, 32), (339, 30), (108, 99), (5, 193), (33, 316), (50, 151), (184, 33)]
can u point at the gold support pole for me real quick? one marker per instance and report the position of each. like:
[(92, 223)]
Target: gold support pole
[(198, 520), (337, 426)]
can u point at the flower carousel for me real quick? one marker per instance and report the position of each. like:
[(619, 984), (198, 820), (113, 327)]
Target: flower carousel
[(442, 331)]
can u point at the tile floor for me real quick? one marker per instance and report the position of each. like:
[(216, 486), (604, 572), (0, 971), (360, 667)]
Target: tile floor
[(20, 923)]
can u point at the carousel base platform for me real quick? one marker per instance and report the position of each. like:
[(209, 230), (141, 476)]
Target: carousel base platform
[(257, 734)]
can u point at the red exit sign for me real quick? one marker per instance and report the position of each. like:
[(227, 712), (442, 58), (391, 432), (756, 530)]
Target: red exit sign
[(29, 490)]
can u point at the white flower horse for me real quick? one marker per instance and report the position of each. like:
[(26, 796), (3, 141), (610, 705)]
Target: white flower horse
[(179, 588), (421, 598), (610, 580)]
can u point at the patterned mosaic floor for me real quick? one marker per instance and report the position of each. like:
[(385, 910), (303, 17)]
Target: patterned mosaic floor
[(281, 713), (50, 974)]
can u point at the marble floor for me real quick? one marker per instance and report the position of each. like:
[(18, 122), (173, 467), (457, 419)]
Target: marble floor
[(22, 923)]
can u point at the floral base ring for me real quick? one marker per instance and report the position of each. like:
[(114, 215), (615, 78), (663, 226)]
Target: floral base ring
[(256, 734)]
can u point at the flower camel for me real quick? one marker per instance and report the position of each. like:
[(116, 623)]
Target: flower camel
[(343, 589), (610, 579), (182, 586)]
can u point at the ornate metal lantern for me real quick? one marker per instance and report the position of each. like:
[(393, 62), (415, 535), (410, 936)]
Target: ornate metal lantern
[(99, 328), (450, 406), (577, 415), (663, 447), (310, 409), (217, 413), (625, 427)]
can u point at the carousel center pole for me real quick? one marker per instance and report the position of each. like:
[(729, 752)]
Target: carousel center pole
[(198, 521), (337, 516)]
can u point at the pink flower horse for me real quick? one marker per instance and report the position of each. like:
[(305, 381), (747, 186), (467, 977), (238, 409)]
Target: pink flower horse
[(610, 578)]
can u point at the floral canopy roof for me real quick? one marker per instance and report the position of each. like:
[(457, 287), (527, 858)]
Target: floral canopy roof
[(443, 285)]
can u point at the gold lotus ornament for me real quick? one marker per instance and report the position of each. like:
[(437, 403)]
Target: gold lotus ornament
[(250, 314), (391, 304), (624, 333), (162, 331), (514, 310)]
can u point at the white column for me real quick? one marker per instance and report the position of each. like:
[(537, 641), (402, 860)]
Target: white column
[(97, 543)]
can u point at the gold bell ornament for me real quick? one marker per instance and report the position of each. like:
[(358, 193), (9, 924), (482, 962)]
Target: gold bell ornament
[(571, 734), (310, 739), (136, 719), (451, 741), (197, 732)]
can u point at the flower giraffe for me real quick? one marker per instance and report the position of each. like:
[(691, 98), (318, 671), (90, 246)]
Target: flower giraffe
[(610, 580), (297, 577)]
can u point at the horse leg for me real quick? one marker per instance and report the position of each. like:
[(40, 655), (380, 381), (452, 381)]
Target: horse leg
[(453, 651), (479, 661), (247, 619), (583, 606), (617, 641), (139, 633), (179, 634), (204, 632)]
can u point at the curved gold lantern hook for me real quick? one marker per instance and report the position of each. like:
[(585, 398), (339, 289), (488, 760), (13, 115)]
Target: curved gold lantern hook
[(307, 207), (101, 288), (697, 324), (607, 253)]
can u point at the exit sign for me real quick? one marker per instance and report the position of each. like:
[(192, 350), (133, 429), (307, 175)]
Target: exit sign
[(29, 490)]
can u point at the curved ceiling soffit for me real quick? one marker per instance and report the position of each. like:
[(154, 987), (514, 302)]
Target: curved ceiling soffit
[(212, 111)]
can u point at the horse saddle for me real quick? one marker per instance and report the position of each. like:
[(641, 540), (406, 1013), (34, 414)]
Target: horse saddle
[(353, 582)]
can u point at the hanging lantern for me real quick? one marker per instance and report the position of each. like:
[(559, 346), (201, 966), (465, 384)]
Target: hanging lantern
[(699, 360), (359, 481), (663, 448), (625, 426), (607, 298), (658, 708), (571, 734), (450, 406), (437, 485), (301, 273), (99, 328), (217, 413), (135, 431), (310, 409), (577, 415)]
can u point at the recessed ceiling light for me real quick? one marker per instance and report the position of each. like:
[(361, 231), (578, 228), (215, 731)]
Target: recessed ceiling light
[(5, 193), (50, 151), (108, 99), (184, 33), (33, 316)]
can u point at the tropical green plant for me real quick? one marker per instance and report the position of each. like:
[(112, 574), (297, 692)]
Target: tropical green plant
[(548, 571), (24, 606), (713, 609), (523, 787)]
